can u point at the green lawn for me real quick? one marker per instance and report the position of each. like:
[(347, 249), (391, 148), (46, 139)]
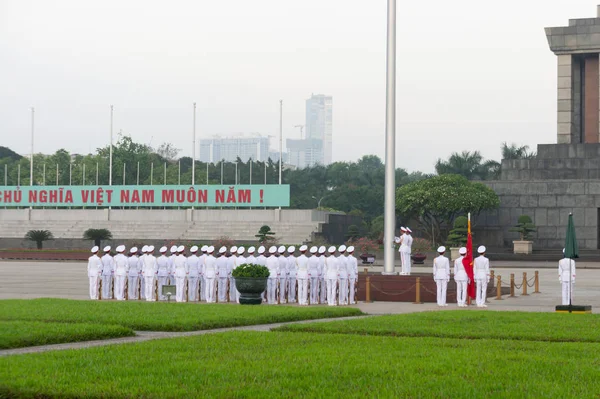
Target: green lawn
[(468, 324), (18, 334), (162, 316), (275, 364)]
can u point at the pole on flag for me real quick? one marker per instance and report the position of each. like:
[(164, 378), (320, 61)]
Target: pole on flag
[(468, 261)]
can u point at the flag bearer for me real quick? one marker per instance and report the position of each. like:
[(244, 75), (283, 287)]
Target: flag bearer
[(461, 278)]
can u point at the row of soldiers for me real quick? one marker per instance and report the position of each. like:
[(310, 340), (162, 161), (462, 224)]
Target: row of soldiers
[(321, 277)]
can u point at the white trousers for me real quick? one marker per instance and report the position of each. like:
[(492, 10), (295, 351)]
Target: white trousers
[(222, 289), (481, 289), (461, 292), (142, 287), (120, 288), (343, 291), (323, 292), (405, 259), (234, 295), (132, 287), (149, 288), (94, 281), (162, 280), (302, 291), (202, 288), (291, 281), (210, 289), (193, 289), (314, 290), (106, 291), (272, 291), (351, 296), (331, 291), (565, 292), (180, 286), (442, 286), (282, 290)]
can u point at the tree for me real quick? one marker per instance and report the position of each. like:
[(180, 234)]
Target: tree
[(524, 227), (97, 235), (168, 152), (39, 236), (353, 232), (265, 234), (513, 151), (468, 164), (434, 203), (458, 235)]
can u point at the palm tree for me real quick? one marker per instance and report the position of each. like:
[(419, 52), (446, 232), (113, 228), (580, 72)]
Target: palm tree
[(39, 236), (97, 235), (512, 151)]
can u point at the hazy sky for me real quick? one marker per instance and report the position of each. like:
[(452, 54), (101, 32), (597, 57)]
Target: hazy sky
[(471, 73)]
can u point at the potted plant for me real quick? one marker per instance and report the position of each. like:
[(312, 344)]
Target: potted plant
[(364, 247), (524, 227), (458, 236), (251, 282), (419, 247)]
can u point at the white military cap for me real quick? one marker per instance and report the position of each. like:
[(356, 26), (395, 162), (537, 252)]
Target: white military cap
[(397, 240), (281, 249), (210, 249), (332, 249), (107, 248), (291, 249), (303, 248), (145, 248), (272, 249), (194, 249), (342, 249), (173, 249), (133, 250), (96, 249), (313, 250), (409, 230), (121, 248), (441, 249), (322, 249), (204, 248), (233, 249), (350, 249), (481, 249), (241, 250), (251, 250), (180, 248), (261, 250), (151, 248), (223, 249), (462, 251), (162, 250), (402, 228)]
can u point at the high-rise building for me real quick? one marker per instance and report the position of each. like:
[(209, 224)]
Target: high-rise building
[(319, 123), (305, 153), (229, 149)]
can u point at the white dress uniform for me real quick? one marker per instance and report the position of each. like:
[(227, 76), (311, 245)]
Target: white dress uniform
[(180, 271), (566, 272), (352, 263), (202, 279), (94, 270), (322, 275), (108, 270), (141, 269), (302, 276), (283, 274), (150, 272), (343, 276), (441, 275), (262, 260), (121, 271), (403, 250), (193, 263), (408, 242), (210, 274), (314, 273), (172, 257), (461, 278), (331, 271), (231, 264), (273, 266), (292, 273), (223, 274), (134, 274), (239, 260), (163, 272), (481, 271)]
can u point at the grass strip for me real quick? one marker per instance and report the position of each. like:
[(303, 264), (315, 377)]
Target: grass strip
[(471, 324), (162, 316), (260, 364), (19, 334)]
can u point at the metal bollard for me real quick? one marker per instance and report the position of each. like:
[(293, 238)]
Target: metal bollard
[(418, 292), (537, 283), (492, 277), (512, 284), (368, 292), (499, 288), (366, 270), (525, 284)]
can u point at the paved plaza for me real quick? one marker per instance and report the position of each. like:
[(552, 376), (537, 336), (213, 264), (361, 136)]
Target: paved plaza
[(25, 280)]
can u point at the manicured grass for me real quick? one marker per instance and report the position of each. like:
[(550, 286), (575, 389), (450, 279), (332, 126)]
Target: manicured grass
[(18, 334), (468, 324), (162, 316), (261, 365)]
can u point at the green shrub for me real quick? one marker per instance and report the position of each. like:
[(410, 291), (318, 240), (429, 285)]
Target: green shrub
[(265, 234), (458, 235), (250, 270), (524, 227), (39, 236), (97, 235)]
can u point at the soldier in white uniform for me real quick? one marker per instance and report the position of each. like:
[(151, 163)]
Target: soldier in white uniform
[(231, 265), (210, 274), (273, 266), (481, 271), (402, 250), (141, 269), (352, 264), (239, 260), (163, 271), (121, 271), (94, 270), (408, 242), (150, 272), (322, 275), (343, 273), (108, 270), (301, 268), (180, 271), (193, 263), (291, 274), (222, 273), (441, 275), (261, 259), (202, 278), (314, 271), (566, 274), (134, 274), (251, 259), (331, 272), (282, 273), (171, 258), (461, 278)]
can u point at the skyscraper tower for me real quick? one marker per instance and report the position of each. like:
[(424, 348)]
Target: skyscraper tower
[(319, 123)]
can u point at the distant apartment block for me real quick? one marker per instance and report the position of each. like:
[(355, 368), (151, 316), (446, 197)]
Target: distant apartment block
[(319, 124), (305, 153), (230, 148)]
